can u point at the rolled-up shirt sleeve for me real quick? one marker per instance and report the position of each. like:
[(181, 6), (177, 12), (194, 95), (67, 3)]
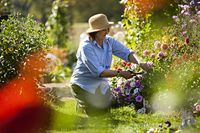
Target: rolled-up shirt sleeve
[(90, 60), (120, 50)]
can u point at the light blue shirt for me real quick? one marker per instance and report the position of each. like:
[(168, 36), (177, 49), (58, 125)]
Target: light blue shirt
[(92, 60)]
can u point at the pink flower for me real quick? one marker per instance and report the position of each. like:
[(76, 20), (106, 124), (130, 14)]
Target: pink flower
[(152, 55), (197, 107), (186, 13), (193, 21), (198, 13), (184, 33), (161, 55), (149, 64), (157, 44), (146, 52)]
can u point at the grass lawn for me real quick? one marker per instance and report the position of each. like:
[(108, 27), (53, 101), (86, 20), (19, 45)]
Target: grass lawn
[(121, 120)]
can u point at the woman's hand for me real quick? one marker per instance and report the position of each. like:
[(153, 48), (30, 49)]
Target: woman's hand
[(146, 65), (126, 74)]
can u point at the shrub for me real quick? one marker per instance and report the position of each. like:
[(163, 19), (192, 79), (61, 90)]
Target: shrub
[(19, 37)]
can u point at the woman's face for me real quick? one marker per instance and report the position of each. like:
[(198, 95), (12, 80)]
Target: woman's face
[(102, 34)]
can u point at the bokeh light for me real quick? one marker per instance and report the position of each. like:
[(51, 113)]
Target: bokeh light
[(22, 108)]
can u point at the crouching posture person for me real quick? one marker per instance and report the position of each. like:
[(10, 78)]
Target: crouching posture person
[(89, 81)]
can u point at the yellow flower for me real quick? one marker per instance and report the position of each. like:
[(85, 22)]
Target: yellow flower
[(165, 39), (174, 39)]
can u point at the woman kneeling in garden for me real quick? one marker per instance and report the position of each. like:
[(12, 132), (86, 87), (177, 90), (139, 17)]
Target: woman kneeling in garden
[(89, 81)]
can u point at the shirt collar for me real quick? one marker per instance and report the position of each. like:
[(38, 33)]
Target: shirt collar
[(95, 43)]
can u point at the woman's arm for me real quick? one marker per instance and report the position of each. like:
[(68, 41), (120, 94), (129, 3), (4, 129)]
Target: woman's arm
[(114, 73), (135, 59)]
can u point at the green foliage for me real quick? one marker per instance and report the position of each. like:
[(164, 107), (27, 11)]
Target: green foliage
[(124, 114), (83, 9), (59, 74), (59, 23), (19, 37), (40, 9), (176, 59)]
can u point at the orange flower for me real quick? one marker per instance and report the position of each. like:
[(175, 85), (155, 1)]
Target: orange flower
[(164, 46)]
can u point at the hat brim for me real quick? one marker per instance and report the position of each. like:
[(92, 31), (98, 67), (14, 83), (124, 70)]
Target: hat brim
[(90, 30)]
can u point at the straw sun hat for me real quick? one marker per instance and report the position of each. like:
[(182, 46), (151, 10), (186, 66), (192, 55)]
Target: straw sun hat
[(98, 22)]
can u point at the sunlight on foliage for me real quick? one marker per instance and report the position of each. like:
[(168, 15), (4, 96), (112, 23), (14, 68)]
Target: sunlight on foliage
[(19, 37)]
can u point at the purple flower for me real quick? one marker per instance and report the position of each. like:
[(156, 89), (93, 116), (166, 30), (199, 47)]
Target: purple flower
[(173, 55), (139, 98), (117, 89), (128, 98), (161, 55), (127, 85), (137, 83), (119, 94)]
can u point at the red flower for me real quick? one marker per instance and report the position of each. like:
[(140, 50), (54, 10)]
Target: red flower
[(187, 41)]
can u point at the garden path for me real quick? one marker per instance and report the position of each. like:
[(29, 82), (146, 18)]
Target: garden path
[(60, 90)]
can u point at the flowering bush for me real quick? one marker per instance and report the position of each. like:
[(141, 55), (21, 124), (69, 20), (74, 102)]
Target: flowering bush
[(130, 91), (176, 58), (174, 51)]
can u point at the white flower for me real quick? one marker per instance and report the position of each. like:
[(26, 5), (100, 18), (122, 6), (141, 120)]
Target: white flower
[(151, 130), (132, 83), (133, 66), (141, 111), (119, 83), (136, 91), (127, 91)]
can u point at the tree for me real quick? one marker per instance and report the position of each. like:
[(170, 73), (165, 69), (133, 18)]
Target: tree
[(84, 9), (59, 23), (40, 9)]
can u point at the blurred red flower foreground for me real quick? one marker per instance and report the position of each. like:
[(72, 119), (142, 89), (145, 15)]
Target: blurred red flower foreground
[(22, 109)]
